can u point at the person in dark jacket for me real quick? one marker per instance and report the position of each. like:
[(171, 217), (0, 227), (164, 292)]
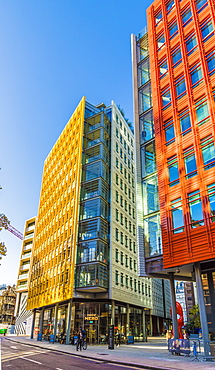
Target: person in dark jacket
[(79, 341)]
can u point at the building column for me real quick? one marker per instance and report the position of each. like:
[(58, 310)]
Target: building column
[(68, 321), (33, 323), (202, 310), (151, 325), (41, 320), (158, 325), (173, 301), (144, 325), (55, 320), (127, 319), (212, 297), (113, 312)]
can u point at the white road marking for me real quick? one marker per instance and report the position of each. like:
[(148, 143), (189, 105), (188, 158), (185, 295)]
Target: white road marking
[(14, 347), (57, 368), (28, 359)]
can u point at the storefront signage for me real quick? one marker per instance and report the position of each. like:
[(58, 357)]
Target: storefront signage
[(111, 336), (91, 317)]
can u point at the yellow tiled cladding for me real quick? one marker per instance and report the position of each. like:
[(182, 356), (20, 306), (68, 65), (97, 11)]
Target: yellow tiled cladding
[(53, 264)]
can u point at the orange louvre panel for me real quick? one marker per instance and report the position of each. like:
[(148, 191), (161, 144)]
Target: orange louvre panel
[(186, 97)]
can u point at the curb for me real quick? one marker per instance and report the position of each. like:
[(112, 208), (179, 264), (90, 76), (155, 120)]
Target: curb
[(141, 366)]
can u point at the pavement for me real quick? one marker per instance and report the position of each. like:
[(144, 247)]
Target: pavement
[(152, 354)]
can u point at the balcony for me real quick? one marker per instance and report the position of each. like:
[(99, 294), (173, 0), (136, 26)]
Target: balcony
[(22, 287), (27, 247), (29, 236), (23, 276), (26, 255), (25, 267), (30, 228)]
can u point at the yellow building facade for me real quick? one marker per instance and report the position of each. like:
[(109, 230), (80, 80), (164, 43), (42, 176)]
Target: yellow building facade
[(53, 262)]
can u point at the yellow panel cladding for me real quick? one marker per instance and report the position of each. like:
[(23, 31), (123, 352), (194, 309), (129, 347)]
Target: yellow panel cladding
[(53, 264)]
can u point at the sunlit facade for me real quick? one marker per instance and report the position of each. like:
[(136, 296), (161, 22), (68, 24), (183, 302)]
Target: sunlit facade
[(84, 269)]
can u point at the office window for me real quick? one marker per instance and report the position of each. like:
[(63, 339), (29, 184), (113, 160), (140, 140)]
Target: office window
[(211, 198), (150, 195), (121, 258), (177, 216), (129, 178), (152, 235), (161, 41), (176, 57), (121, 168), (166, 98), (201, 4), (196, 75), (145, 98), (135, 285), (206, 30), (126, 222), (131, 263), (146, 127), (117, 196), (139, 287), (163, 68), (120, 125), (117, 215), (125, 173), (117, 234), (173, 29), (190, 162), (121, 201), (117, 147), (125, 189), (117, 132), (131, 283), (130, 227), (133, 213), (186, 16), (191, 44), (117, 119), (125, 132), (122, 279), (158, 17), (117, 179), (125, 145), (121, 238), (143, 73), (126, 281), (202, 113), (117, 162), (195, 206), (121, 184), (143, 290), (211, 62), (121, 153), (170, 5), (126, 260), (126, 241), (134, 230), (117, 255), (130, 244), (121, 218), (117, 277), (148, 159), (180, 87), (208, 151), (134, 247), (173, 170), (126, 205), (121, 138), (184, 119), (125, 158)]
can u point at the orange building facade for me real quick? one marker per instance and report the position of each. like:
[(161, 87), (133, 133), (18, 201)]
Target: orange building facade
[(181, 37)]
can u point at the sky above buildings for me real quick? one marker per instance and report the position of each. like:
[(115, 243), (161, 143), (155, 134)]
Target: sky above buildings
[(52, 53)]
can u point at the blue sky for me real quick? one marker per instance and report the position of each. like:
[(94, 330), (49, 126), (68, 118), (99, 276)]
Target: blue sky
[(52, 53)]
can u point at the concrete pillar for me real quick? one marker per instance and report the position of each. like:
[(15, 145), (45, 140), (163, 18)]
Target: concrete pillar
[(151, 325), (202, 310), (212, 297), (158, 325), (55, 320), (41, 320), (33, 323), (113, 313), (144, 326), (127, 319), (68, 321), (173, 301)]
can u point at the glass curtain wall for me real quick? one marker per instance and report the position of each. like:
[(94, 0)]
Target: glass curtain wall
[(93, 247), (148, 156)]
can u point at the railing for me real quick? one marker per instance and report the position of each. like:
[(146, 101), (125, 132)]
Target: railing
[(30, 228), (20, 287), (28, 246), (29, 236), (23, 276), (25, 267), (27, 255)]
